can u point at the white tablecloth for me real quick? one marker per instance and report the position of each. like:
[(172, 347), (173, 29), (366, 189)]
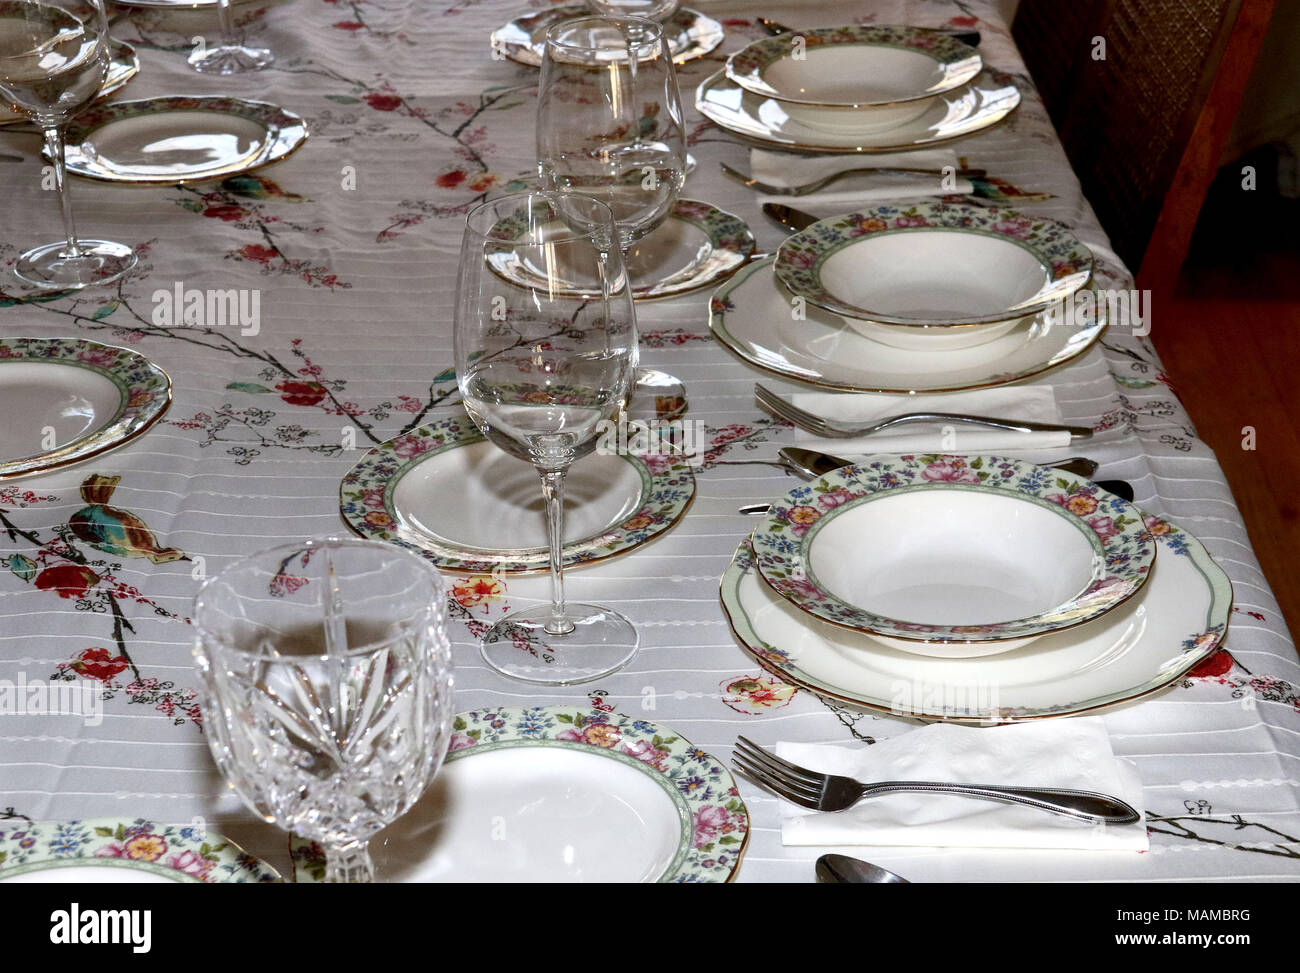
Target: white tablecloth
[(357, 289)]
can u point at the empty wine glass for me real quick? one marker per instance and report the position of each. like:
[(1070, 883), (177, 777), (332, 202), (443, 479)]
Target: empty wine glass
[(609, 119), (326, 674), (649, 9), (54, 55), (232, 55), (545, 351)]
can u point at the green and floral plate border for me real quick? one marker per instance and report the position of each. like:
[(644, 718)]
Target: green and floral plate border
[(784, 664), (183, 853), (523, 39), (286, 132), (146, 392), (1122, 546), (1066, 262), (123, 65), (959, 61), (713, 817), (730, 241), (366, 503)]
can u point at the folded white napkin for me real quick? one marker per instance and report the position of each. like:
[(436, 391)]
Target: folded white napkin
[(784, 169), (1031, 403), (1073, 753)]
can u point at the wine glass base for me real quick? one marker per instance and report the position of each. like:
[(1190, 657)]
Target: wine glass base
[(518, 646), (233, 59), (99, 262)]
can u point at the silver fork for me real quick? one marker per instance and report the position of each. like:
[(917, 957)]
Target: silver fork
[(768, 189), (831, 429), (829, 792)]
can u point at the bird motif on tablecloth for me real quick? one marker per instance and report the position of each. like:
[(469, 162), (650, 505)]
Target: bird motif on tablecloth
[(115, 531)]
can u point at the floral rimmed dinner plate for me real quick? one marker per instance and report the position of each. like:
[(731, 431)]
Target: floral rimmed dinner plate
[(934, 263), (114, 850), (953, 549), (123, 65), (562, 794), (446, 492), (690, 34), (751, 314), (67, 399), (855, 66), (972, 108), (176, 139), (1176, 620), (697, 245)]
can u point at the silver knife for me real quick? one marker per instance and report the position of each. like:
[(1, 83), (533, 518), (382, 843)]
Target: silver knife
[(789, 217)]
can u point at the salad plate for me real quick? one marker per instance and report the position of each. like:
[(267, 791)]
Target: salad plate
[(970, 555), (769, 123), (177, 139), (560, 794), (754, 316), (119, 851), (1176, 620), (67, 399), (444, 491), (690, 34), (934, 263), (697, 245), (123, 65)]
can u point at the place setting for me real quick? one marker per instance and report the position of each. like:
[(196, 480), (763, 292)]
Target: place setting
[(856, 89)]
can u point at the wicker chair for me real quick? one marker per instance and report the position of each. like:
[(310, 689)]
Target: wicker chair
[(1144, 127)]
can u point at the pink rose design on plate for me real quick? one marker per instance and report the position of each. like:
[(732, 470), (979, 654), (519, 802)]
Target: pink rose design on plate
[(647, 753), (711, 823), (460, 741), (1104, 527), (950, 471), (191, 863), (410, 445)]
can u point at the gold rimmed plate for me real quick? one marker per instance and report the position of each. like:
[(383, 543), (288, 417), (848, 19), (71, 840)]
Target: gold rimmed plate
[(445, 492), (175, 139), (67, 399)]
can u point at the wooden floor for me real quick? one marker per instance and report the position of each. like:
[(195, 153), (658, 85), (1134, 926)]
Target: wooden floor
[(1230, 340)]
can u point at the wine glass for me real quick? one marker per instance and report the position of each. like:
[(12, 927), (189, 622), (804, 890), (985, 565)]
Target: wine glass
[(232, 55), (609, 119), (54, 55), (326, 675), (545, 352), (659, 10)]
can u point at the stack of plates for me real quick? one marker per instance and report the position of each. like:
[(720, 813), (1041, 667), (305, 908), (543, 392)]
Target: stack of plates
[(855, 89), (972, 589), (986, 295)]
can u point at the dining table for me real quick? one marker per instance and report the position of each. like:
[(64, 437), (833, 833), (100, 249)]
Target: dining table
[(352, 245)]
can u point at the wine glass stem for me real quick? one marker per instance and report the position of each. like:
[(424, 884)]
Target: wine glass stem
[(553, 492), (54, 145), (228, 37), (349, 862)]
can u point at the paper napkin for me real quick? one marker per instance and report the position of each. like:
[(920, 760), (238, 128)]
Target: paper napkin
[(1032, 403), (784, 169), (1073, 753)]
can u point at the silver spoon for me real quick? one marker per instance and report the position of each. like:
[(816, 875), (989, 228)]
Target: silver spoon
[(843, 870)]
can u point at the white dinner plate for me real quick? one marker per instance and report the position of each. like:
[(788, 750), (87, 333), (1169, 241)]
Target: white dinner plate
[(177, 139), (559, 794), (1176, 620), (770, 123), (754, 316), (67, 399), (444, 491)]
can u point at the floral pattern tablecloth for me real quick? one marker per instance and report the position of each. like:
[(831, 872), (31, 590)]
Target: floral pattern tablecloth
[(353, 243)]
